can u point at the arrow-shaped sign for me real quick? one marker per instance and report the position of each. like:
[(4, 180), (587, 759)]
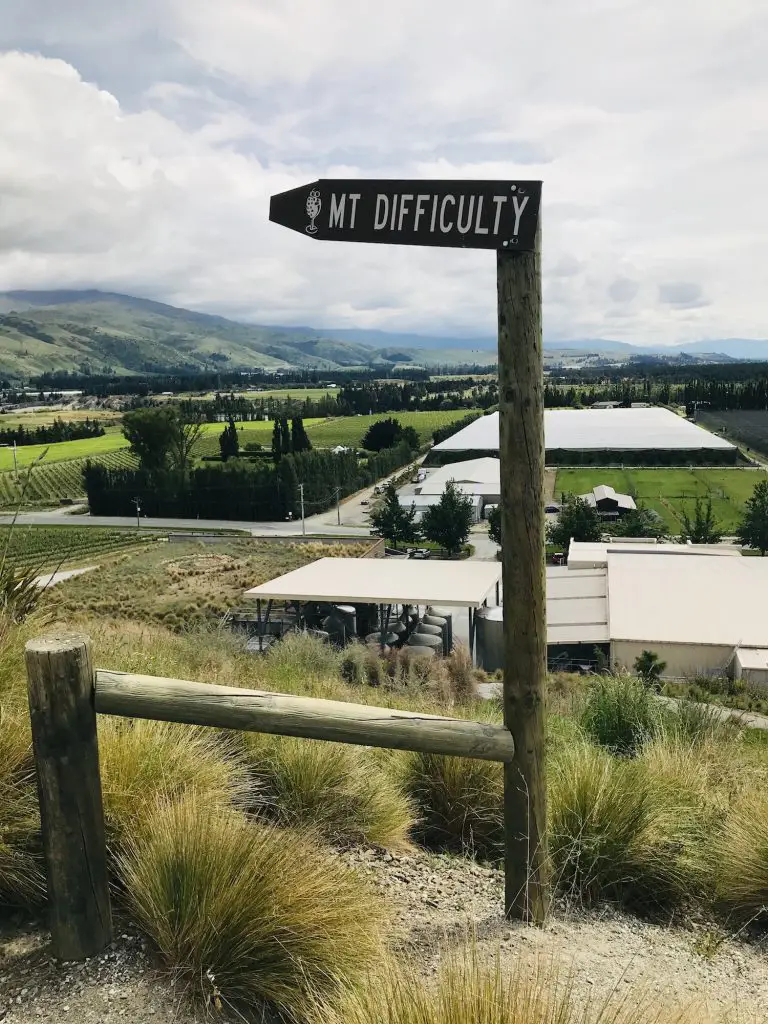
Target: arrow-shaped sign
[(457, 214)]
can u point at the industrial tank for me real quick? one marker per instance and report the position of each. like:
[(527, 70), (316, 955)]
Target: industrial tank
[(489, 638)]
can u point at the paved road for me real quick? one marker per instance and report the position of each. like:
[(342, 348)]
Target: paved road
[(279, 529), (52, 578)]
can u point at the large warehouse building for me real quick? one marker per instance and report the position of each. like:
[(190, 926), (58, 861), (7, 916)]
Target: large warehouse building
[(600, 437), (699, 607)]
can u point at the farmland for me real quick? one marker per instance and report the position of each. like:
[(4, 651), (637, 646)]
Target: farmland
[(667, 491), (327, 433), (57, 468), (50, 547), (44, 417), (745, 427), (50, 482), (61, 451)]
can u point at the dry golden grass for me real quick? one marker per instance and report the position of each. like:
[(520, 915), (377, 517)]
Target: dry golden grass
[(243, 912), (337, 789), (738, 859), (142, 762), (468, 992), (21, 879)]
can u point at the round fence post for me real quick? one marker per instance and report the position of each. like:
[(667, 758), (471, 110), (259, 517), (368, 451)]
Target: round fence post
[(61, 706)]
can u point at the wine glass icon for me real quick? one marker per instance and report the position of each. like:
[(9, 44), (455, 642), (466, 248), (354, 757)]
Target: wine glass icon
[(313, 210)]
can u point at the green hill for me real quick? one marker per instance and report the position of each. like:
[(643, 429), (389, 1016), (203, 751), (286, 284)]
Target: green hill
[(99, 332)]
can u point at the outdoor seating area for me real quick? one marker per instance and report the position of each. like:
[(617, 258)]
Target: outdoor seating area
[(387, 604)]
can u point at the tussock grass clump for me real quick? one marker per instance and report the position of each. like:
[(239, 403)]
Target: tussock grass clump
[(620, 713), (738, 859), (614, 834), (338, 789), (468, 992), (142, 761), (242, 911), (459, 802), (21, 878)]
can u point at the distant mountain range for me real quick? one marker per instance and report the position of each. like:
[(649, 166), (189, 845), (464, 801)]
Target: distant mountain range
[(97, 331)]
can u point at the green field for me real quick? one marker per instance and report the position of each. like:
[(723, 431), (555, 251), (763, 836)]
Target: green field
[(49, 482), (61, 451), (44, 417), (327, 433), (58, 474), (667, 491), (50, 547)]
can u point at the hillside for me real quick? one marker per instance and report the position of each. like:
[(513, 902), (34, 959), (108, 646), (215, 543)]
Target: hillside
[(102, 331)]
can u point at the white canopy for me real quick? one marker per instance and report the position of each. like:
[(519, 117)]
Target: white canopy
[(384, 581)]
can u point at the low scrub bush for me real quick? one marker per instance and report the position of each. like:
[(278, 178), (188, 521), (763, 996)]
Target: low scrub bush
[(21, 878), (613, 833), (142, 761), (620, 713), (738, 858), (459, 802), (466, 991), (336, 788), (244, 912)]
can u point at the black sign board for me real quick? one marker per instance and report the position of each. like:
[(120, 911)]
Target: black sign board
[(457, 214)]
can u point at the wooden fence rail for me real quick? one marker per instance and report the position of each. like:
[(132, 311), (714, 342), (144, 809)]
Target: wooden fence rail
[(64, 698)]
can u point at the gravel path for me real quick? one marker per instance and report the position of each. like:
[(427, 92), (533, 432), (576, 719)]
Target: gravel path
[(436, 901)]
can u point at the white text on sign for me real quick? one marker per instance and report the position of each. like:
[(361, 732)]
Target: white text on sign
[(412, 212)]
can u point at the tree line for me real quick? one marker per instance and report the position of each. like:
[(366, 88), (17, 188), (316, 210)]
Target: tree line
[(51, 433), (238, 489)]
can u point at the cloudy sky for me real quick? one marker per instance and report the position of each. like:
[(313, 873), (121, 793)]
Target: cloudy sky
[(140, 141)]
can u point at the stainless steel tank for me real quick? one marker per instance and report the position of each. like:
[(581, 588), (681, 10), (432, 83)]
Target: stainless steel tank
[(489, 638)]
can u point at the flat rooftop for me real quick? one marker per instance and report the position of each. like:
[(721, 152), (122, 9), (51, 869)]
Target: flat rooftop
[(385, 581), (705, 601), (596, 430)]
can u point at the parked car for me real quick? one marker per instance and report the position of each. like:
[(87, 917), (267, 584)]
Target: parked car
[(365, 502), (552, 507)]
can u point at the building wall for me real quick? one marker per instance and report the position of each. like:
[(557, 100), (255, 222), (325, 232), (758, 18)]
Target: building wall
[(681, 659)]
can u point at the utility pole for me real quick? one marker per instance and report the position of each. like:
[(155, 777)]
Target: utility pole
[(137, 503), (338, 506), (521, 451), (15, 464), (301, 499)]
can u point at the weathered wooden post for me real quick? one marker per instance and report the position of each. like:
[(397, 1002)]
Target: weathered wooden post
[(521, 450), (61, 705)]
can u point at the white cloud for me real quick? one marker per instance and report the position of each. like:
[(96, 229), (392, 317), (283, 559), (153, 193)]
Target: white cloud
[(645, 120)]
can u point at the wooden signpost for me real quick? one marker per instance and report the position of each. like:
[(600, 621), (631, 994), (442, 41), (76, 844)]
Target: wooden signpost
[(504, 216)]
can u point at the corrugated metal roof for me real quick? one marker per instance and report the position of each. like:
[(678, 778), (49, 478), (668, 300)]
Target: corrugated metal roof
[(594, 430), (589, 554), (577, 606)]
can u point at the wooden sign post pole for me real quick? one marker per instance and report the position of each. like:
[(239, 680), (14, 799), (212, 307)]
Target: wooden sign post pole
[(521, 450)]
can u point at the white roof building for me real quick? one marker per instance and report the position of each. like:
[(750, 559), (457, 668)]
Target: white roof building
[(596, 430), (701, 608), (606, 499)]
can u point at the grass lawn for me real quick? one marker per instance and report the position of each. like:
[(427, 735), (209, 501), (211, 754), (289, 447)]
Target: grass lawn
[(667, 491)]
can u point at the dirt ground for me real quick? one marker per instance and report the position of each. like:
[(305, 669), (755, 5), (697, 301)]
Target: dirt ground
[(437, 901)]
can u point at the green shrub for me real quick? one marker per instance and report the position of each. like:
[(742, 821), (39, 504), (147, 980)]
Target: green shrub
[(243, 912), (459, 802), (613, 833), (141, 761), (620, 713), (336, 788)]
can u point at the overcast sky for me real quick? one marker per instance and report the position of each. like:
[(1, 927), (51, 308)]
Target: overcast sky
[(140, 141)]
